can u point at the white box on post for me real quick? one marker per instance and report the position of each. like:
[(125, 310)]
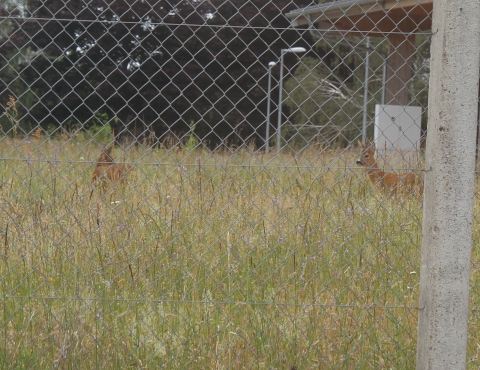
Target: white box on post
[(397, 129)]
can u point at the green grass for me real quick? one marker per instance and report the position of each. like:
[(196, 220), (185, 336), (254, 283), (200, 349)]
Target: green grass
[(204, 260)]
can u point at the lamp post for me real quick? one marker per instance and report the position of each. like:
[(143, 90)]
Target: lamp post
[(267, 131), (365, 92), (296, 50)]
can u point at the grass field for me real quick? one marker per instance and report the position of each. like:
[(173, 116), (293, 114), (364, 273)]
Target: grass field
[(204, 260)]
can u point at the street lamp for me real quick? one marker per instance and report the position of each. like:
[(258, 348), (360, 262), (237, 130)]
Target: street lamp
[(365, 92), (267, 132), (296, 50)]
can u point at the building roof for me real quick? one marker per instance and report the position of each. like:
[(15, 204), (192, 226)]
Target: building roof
[(369, 16)]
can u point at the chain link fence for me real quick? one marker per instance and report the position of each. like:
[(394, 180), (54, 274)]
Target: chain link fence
[(213, 184)]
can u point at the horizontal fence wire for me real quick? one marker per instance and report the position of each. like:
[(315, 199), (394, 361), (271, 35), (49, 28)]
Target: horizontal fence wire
[(196, 25), (202, 164), (234, 303)]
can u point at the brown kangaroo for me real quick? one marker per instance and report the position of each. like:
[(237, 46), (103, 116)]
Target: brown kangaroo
[(387, 180), (107, 169)]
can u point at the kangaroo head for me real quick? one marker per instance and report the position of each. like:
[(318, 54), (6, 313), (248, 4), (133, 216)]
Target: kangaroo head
[(105, 156), (367, 157)]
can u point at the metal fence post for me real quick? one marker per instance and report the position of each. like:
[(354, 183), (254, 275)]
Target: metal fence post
[(449, 186)]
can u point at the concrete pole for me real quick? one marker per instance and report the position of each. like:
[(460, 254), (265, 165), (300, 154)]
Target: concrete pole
[(449, 186)]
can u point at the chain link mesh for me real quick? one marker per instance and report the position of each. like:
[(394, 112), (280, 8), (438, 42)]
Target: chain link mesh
[(183, 186)]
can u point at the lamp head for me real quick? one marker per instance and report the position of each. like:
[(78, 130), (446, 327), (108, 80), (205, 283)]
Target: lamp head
[(297, 50), (271, 64)]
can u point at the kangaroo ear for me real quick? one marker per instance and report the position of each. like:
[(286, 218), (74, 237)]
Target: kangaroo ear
[(369, 144), (108, 150), (105, 155), (360, 144)]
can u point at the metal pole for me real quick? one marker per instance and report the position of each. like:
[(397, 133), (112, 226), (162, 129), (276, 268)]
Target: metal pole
[(297, 50), (365, 92), (280, 88), (449, 186), (267, 130), (384, 79)]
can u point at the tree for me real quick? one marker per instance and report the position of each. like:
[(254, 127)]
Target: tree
[(156, 65)]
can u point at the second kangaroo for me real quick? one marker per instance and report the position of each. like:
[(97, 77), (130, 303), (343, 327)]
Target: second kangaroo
[(387, 180), (107, 169)]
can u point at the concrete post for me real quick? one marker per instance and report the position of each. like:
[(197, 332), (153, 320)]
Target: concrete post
[(449, 185)]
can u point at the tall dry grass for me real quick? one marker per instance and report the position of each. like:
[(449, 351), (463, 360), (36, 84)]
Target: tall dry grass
[(203, 260)]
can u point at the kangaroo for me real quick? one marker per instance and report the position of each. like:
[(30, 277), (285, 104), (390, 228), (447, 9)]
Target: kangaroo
[(107, 169), (387, 180)]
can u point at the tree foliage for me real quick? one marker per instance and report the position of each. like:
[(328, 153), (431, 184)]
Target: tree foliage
[(159, 65)]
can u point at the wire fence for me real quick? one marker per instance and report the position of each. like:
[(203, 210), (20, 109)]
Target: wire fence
[(214, 184)]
